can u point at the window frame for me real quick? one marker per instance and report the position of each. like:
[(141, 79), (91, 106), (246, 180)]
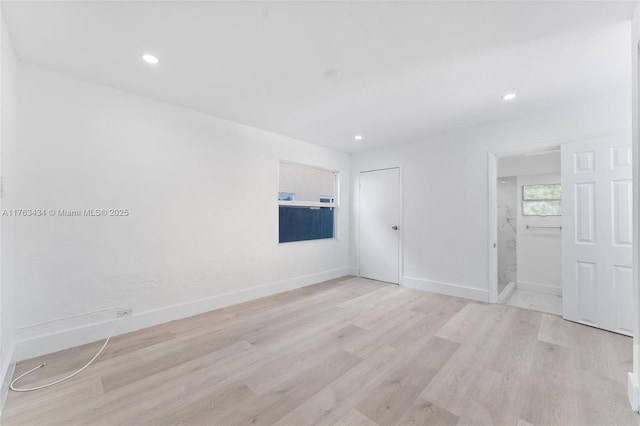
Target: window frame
[(525, 200), (313, 204)]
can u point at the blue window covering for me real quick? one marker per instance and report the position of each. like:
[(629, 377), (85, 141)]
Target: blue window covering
[(305, 223)]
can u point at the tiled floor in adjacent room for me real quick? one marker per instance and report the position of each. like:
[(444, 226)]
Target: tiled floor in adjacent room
[(533, 300)]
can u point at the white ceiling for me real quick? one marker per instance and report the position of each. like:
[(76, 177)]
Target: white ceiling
[(407, 69)]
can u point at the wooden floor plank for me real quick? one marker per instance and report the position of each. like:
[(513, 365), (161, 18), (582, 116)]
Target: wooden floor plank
[(552, 396), (278, 402), (355, 418), (424, 412), (388, 402), (221, 400), (334, 402)]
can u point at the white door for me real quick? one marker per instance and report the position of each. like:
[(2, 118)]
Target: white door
[(379, 225), (597, 240)]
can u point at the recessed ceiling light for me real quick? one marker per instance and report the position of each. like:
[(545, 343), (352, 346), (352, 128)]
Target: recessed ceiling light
[(150, 59), (509, 97), (358, 137)]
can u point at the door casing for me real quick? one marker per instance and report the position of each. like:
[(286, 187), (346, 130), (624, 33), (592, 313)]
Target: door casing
[(492, 205)]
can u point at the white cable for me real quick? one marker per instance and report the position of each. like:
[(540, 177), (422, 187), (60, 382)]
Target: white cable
[(70, 375)]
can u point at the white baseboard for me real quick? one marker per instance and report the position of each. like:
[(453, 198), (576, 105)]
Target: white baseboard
[(72, 337), (634, 392), (633, 384), (540, 288), (354, 270), (446, 288), (8, 368), (507, 292)]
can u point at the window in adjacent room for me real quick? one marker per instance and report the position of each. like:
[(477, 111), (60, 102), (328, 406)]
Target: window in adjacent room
[(541, 200), (307, 203)]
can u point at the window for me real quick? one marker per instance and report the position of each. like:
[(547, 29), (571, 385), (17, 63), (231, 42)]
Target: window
[(286, 196), (307, 203), (541, 200)]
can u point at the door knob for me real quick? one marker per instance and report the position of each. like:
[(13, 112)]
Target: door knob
[(395, 228)]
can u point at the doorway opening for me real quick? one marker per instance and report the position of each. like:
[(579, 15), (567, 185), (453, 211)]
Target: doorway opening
[(529, 230)]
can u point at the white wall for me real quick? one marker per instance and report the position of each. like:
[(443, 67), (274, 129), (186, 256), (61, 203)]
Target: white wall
[(444, 179), (202, 195), (539, 250), (8, 144), (634, 377), (529, 164)]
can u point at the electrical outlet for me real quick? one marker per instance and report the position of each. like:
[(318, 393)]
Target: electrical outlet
[(124, 312)]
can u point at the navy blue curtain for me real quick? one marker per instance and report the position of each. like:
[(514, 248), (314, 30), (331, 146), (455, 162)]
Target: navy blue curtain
[(305, 223)]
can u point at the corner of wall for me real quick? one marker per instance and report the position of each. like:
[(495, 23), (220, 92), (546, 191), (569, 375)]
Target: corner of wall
[(8, 368), (8, 62)]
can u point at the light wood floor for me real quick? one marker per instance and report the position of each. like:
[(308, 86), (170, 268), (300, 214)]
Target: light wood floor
[(349, 352)]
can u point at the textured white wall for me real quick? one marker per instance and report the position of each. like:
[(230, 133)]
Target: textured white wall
[(202, 196), (445, 232), (8, 144)]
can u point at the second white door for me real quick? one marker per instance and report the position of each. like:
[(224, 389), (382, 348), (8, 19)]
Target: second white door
[(597, 244), (379, 225)]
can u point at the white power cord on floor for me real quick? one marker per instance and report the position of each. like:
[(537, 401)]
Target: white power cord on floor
[(13, 388)]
